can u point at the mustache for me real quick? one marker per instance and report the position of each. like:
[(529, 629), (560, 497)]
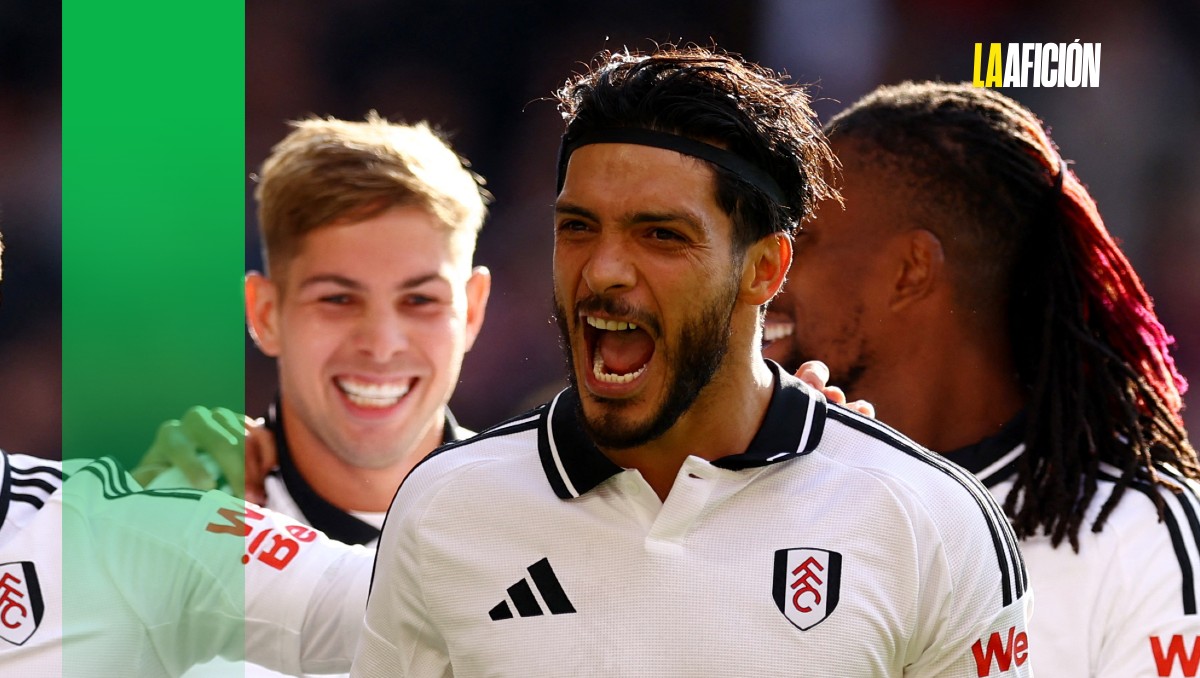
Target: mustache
[(617, 307)]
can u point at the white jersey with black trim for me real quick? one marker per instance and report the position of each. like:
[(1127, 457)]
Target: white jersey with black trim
[(99, 578), (831, 547), (1125, 605)]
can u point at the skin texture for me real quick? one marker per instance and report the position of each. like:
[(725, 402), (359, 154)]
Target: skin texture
[(387, 302), (639, 237), (871, 294)]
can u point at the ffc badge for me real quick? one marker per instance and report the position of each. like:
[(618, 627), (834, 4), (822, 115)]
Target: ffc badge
[(806, 584), (21, 605)]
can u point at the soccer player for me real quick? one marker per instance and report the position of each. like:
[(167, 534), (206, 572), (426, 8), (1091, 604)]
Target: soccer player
[(369, 304), (685, 507), (970, 290)]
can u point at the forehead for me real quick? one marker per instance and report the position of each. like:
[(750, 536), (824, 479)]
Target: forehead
[(393, 244), (623, 179)]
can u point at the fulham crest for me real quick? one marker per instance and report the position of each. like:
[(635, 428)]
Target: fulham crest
[(805, 585), (21, 604)]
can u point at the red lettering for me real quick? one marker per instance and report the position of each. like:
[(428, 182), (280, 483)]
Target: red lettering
[(8, 594), (1003, 654), (804, 584), (280, 553), (235, 523), (1165, 662), (302, 533)]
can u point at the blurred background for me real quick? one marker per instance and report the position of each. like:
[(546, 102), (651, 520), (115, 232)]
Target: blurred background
[(481, 71)]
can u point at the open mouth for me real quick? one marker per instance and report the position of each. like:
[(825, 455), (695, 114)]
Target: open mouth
[(620, 350), (374, 395), (774, 330)]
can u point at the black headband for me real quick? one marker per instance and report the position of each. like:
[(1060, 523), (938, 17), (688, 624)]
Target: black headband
[(744, 169)]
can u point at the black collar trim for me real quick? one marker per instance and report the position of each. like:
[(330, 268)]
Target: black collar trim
[(5, 486), (574, 466), (317, 510), (979, 456)]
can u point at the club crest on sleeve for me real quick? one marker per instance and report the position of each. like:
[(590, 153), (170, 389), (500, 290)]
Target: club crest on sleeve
[(806, 583), (21, 605)]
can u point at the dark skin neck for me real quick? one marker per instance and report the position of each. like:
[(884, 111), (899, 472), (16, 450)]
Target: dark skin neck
[(944, 386)]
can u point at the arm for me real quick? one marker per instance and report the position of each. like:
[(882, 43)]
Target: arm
[(974, 603), (208, 575), (399, 636), (1147, 612)]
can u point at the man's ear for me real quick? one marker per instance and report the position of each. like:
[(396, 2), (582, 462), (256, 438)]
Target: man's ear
[(479, 288), (922, 267), (766, 267), (262, 312)]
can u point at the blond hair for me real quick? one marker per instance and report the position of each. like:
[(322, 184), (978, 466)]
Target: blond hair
[(329, 171)]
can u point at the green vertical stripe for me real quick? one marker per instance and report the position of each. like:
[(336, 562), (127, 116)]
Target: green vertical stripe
[(153, 191), (153, 212)]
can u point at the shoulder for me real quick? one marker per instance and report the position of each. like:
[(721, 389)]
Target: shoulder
[(510, 442), (875, 448), (1166, 545), (948, 505)]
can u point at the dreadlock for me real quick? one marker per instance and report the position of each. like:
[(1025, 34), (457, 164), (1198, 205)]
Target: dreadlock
[(1090, 353)]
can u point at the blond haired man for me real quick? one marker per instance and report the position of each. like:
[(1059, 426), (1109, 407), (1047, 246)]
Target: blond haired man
[(369, 303)]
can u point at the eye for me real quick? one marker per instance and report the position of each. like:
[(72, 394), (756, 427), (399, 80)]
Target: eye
[(572, 226), (336, 299), (665, 234), (419, 300)]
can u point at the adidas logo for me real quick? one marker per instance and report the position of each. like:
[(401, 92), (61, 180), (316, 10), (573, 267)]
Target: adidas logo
[(526, 602)]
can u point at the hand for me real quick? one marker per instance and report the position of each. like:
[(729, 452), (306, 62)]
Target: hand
[(816, 374), (218, 433)]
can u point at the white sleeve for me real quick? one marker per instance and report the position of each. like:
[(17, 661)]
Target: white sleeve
[(210, 575), (305, 593), (1149, 606), (974, 604), (399, 639)]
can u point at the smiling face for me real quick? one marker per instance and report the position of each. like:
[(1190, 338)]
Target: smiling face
[(645, 286), (369, 324), (833, 305)]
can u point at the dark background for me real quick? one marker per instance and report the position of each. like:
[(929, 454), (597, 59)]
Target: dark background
[(481, 71)]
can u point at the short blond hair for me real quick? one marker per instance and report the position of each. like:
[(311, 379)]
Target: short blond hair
[(329, 171)]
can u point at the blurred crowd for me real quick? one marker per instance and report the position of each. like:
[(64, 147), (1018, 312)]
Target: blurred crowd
[(483, 71)]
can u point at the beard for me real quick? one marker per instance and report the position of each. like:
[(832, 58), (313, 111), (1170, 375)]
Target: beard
[(701, 349)]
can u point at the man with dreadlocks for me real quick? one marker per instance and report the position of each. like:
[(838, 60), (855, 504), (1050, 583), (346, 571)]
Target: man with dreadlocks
[(970, 290)]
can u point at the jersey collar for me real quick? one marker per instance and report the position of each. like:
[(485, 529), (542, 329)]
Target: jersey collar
[(994, 458), (574, 465), (317, 510)]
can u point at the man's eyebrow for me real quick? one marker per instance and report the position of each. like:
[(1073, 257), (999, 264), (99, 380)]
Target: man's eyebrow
[(576, 210), (332, 278), (350, 283), (643, 217), (418, 280)]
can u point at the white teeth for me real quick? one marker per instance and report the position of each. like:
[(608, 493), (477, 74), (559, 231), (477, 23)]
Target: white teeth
[(773, 331), (366, 394), (610, 325), (601, 375)]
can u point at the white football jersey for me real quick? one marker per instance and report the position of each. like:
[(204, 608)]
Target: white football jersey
[(832, 547), (1125, 605), (99, 578)]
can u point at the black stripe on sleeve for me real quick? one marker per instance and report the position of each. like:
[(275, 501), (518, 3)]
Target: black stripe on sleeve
[(1174, 529), (1013, 578)]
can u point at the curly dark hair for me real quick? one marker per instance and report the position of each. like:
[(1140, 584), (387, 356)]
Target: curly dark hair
[(1091, 355), (720, 99)]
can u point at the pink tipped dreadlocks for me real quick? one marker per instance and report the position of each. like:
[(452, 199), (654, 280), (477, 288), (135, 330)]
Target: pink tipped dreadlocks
[(1129, 318), (1102, 395)]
